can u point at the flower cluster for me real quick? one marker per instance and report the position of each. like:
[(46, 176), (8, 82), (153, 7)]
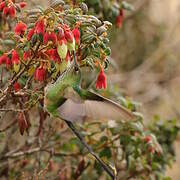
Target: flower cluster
[(8, 8), (46, 48)]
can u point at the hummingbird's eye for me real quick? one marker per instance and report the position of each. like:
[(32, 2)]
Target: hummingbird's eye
[(76, 68)]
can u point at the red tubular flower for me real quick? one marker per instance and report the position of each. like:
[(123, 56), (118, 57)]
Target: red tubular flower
[(53, 54), (3, 59), (16, 86), (2, 5), (40, 74), (69, 36), (76, 34), (119, 18), (15, 57), (20, 28), (12, 11), (30, 34), (8, 63), (68, 57), (40, 27), (49, 37), (22, 4), (101, 81), (5, 10), (27, 54)]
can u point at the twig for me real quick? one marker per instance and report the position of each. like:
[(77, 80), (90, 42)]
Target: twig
[(8, 126), (105, 167)]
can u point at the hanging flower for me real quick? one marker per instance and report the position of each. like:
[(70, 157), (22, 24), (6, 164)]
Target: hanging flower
[(40, 27), (49, 37), (76, 34), (27, 54), (30, 34), (5, 10), (12, 11), (101, 80), (8, 63), (22, 4), (3, 59), (60, 33), (119, 18), (16, 86), (40, 74), (53, 54), (20, 28), (2, 5), (15, 57)]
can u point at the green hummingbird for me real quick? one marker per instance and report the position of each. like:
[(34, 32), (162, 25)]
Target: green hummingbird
[(66, 100)]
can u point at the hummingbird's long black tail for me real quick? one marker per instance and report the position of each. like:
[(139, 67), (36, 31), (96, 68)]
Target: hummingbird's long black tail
[(105, 167)]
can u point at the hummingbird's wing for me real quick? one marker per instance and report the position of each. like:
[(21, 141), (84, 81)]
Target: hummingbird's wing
[(97, 107)]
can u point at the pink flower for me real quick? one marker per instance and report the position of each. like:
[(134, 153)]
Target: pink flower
[(30, 34), (40, 27), (20, 28), (101, 81), (76, 34), (40, 74)]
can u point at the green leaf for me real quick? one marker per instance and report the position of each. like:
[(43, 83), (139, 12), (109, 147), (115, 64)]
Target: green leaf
[(106, 153)]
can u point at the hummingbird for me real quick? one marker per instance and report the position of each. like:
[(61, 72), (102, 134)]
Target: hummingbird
[(65, 99)]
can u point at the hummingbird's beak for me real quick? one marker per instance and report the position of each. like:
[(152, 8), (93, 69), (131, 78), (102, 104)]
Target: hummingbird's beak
[(76, 66)]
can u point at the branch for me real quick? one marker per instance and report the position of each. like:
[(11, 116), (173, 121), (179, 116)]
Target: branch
[(105, 167)]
